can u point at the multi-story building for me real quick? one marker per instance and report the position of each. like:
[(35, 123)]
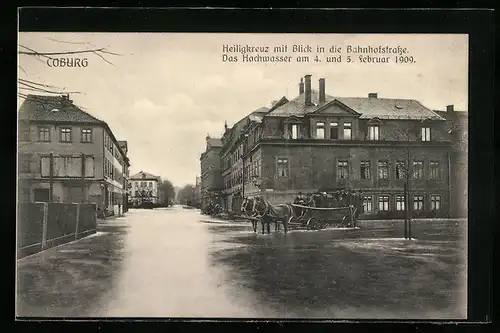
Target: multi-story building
[(232, 158), (457, 127), (144, 188), (126, 175), (317, 142), (67, 155), (211, 177)]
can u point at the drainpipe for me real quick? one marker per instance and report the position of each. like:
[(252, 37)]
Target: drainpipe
[(449, 183), (51, 175)]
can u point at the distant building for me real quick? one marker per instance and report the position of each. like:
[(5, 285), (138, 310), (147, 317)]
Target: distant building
[(67, 155), (317, 142), (211, 178), (144, 188)]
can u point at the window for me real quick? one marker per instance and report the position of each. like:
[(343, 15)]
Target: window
[(320, 130), (65, 134), (366, 172), (435, 202), (418, 169), (372, 132), (426, 134), (383, 170), (383, 203), (368, 203), (24, 163), (282, 167), (24, 133), (400, 169), (143, 184), (347, 131), (434, 170), (86, 135), (43, 134), (334, 131), (295, 131), (342, 169), (400, 202), (418, 202)]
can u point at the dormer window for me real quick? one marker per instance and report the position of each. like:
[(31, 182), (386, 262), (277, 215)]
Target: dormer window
[(334, 131), (373, 132), (426, 134), (347, 131), (320, 130), (295, 131)]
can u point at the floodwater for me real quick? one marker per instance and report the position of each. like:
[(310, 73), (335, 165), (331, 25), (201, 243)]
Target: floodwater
[(177, 263)]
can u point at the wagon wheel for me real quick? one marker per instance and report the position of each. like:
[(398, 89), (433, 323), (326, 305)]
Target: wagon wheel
[(311, 223)]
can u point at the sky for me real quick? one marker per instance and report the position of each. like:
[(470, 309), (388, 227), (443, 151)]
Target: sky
[(165, 92)]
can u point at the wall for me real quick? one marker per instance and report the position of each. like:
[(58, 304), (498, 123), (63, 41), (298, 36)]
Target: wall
[(313, 167), (60, 148), (211, 175), (389, 130), (42, 225)]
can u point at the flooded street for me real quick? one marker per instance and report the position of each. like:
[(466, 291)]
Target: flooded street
[(177, 263)]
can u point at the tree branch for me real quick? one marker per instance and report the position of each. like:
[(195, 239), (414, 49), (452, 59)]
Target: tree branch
[(47, 91), (47, 54)]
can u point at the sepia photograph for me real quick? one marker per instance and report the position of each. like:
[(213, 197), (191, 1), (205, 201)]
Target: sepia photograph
[(242, 175)]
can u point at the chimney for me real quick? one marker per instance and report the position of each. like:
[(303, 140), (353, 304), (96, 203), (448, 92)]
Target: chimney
[(307, 100), (450, 108), (322, 95), (301, 86), (372, 95)]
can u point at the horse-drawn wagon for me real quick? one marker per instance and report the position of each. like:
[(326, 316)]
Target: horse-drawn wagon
[(338, 208)]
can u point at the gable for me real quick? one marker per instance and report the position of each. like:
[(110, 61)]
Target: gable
[(374, 121), (336, 108)]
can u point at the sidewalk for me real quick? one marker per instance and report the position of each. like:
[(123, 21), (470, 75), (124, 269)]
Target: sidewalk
[(70, 279)]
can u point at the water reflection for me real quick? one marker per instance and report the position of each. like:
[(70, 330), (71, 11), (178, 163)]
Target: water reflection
[(369, 272), (70, 281)]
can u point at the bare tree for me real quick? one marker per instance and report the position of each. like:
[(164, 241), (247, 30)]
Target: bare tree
[(26, 86), (406, 132)]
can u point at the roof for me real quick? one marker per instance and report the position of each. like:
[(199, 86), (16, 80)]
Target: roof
[(60, 109), (388, 108), (213, 142), (123, 144), (368, 107), (144, 175), (54, 108), (237, 129), (297, 107)]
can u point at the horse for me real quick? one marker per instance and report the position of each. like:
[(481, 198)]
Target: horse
[(247, 209), (272, 213)]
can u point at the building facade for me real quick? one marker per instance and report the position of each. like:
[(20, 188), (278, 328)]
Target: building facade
[(126, 175), (457, 127), (144, 188), (317, 142), (67, 155), (210, 183)]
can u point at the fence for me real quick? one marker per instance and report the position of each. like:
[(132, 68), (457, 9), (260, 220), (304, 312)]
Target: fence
[(44, 225)]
